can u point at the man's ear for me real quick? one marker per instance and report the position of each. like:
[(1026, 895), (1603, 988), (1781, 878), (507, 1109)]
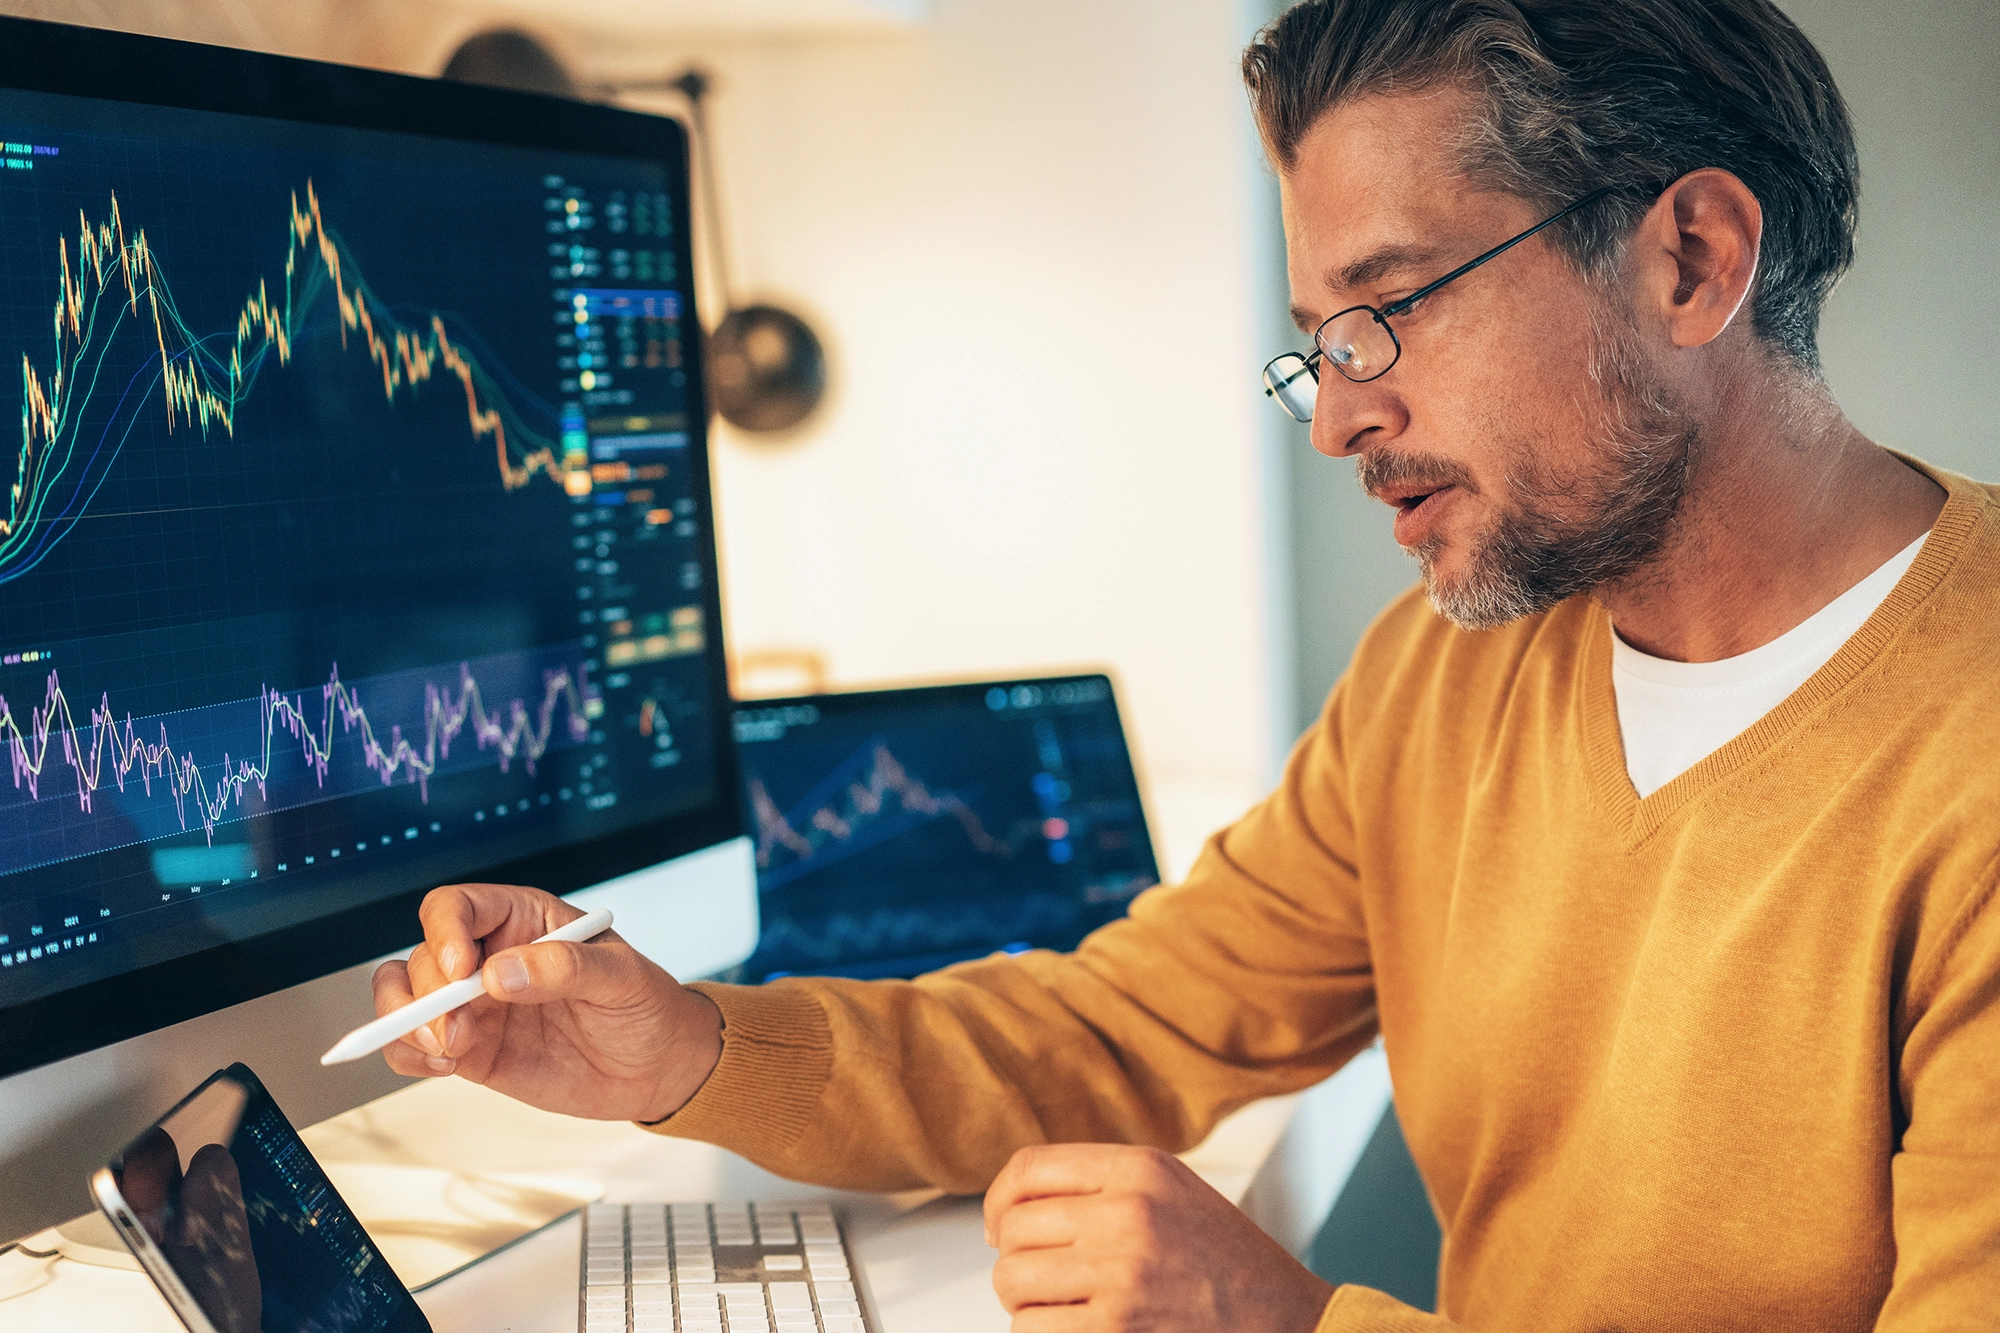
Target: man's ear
[(1698, 250)]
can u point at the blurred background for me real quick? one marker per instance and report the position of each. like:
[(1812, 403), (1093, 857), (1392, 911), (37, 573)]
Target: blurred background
[(1042, 250)]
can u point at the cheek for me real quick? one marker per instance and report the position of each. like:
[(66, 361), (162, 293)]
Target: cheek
[(1504, 392)]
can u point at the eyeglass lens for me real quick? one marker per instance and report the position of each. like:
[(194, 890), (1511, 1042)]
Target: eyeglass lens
[(1354, 342), (1357, 344), (1290, 379)]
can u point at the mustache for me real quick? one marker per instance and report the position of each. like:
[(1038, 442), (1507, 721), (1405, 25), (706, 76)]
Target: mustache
[(1379, 470)]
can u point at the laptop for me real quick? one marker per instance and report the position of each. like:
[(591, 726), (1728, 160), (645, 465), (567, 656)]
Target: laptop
[(901, 830)]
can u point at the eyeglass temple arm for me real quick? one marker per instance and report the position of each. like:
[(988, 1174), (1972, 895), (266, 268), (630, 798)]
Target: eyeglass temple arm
[(1403, 306)]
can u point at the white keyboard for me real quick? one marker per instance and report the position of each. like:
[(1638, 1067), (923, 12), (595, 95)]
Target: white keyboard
[(716, 1268)]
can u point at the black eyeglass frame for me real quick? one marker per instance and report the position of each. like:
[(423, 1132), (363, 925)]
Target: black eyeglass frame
[(1408, 303)]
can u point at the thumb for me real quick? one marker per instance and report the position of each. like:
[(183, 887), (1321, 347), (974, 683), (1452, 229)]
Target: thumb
[(557, 970)]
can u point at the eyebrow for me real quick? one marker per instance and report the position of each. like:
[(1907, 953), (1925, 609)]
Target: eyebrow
[(1370, 268)]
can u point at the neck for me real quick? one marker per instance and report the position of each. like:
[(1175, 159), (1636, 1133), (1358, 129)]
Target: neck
[(1787, 507)]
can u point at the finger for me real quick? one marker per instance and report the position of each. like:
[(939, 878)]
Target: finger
[(1053, 1319), (1043, 1277), (410, 1062), (1051, 1168), (440, 1035), (604, 972), (463, 922), (1038, 1224), (412, 1055), (391, 984)]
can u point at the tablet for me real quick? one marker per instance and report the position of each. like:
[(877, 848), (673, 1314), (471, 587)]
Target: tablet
[(230, 1215)]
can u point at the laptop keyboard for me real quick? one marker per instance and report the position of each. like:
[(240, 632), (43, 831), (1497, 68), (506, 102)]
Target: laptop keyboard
[(716, 1268)]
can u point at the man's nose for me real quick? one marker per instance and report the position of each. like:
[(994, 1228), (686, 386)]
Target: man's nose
[(1347, 415)]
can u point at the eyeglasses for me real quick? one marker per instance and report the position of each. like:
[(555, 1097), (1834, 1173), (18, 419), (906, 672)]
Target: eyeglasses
[(1358, 341)]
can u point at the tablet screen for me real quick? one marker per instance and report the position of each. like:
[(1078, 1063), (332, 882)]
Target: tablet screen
[(238, 1207)]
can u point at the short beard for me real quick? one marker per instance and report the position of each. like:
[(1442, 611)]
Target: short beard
[(1623, 506)]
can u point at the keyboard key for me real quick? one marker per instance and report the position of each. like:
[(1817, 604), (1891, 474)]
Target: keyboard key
[(651, 1268)]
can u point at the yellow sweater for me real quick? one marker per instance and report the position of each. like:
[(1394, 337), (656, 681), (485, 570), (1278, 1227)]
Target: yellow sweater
[(1726, 1057)]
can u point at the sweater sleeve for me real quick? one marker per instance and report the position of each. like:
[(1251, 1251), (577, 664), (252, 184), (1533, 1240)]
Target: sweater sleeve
[(1364, 1310), (1250, 979), (1945, 1176)]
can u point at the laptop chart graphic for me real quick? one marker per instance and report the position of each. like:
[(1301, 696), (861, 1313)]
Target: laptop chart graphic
[(899, 831)]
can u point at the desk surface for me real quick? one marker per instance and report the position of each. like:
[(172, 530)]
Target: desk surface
[(922, 1257)]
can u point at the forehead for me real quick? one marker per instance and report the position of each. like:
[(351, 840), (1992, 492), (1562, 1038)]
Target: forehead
[(1376, 196)]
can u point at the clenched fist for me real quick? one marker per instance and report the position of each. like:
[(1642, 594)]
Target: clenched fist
[(1101, 1239)]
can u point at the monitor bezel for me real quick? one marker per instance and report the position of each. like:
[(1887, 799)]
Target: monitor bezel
[(40, 57)]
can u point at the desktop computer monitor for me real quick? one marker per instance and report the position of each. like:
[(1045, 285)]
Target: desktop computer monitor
[(357, 540)]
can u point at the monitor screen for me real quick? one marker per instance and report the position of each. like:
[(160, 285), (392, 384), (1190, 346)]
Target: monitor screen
[(899, 831), (357, 535)]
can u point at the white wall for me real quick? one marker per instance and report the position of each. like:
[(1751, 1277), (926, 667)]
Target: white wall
[(1032, 228)]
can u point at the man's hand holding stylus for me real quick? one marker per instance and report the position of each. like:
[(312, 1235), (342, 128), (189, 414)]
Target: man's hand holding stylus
[(594, 1030)]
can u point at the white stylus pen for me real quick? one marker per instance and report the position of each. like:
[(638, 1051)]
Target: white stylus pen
[(402, 1022)]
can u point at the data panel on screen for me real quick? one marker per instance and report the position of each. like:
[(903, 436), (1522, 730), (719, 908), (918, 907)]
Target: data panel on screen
[(903, 830), (355, 536)]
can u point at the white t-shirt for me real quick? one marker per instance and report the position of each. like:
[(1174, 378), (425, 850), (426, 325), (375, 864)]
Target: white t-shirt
[(1673, 715)]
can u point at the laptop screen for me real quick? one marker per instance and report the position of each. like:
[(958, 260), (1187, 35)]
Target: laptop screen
[(902, 830)]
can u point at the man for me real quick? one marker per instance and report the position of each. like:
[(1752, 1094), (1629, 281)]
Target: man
[(1659, 842)]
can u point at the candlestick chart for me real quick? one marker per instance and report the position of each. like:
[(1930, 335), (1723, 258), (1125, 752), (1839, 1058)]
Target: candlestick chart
[(112, 288), (86, 780)]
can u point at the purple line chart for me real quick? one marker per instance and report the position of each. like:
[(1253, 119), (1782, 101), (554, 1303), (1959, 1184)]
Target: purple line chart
[(85, 780)]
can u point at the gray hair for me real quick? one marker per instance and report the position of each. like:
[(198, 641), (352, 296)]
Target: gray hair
[(1579, 94)]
